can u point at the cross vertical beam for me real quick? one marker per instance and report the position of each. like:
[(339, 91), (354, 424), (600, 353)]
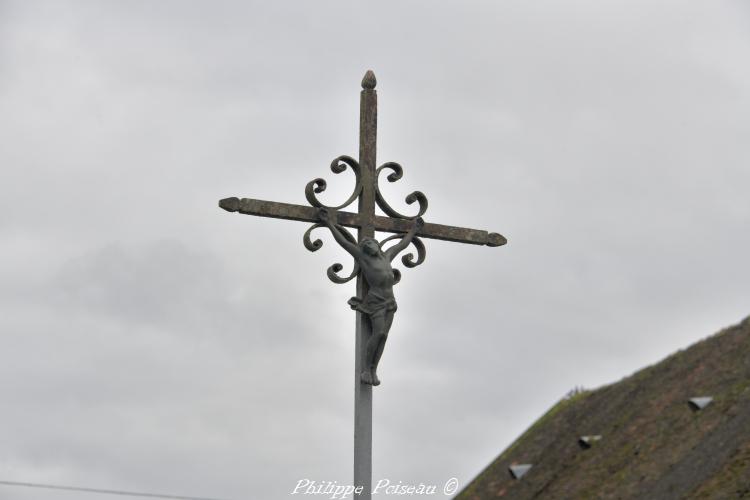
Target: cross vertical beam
[(368, 124)]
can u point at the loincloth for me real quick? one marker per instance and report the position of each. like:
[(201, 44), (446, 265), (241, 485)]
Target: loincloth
[(373, 304)]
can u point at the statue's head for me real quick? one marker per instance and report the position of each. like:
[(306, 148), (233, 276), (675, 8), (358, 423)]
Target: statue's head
[(370, 246)]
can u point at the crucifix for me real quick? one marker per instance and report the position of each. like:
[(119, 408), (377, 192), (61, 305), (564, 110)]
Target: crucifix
[(374, 303)]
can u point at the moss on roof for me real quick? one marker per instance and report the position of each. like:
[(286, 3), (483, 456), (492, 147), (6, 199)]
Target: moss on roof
[(653, 446)]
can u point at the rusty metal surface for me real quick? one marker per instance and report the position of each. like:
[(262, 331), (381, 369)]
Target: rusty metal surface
[(408, 230), (366, 192), (302, 213)]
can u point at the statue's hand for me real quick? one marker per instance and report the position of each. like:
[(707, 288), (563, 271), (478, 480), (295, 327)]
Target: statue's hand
[(418, 223)]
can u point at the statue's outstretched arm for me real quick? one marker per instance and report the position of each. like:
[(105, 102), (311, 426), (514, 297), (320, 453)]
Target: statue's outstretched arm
[(325, 217), (395, 249)]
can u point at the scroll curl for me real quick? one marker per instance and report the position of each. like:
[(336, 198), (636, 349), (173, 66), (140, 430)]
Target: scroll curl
[(319, 184), (335, 268), (416, 196), (408, 259)]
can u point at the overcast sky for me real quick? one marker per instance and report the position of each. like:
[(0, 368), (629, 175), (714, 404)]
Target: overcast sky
[(153, 342)]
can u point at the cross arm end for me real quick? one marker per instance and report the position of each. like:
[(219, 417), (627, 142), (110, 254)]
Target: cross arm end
[(230, 204), (496, 240)]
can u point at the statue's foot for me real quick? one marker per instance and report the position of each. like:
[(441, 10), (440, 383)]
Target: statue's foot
[(366, 378), (375, 379)]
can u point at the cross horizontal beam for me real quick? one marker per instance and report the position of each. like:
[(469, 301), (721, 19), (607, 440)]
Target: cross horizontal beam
[(302, 213)]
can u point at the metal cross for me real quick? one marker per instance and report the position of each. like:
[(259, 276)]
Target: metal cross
[(368, 194)]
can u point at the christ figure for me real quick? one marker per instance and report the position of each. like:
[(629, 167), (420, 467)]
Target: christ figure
[(379, 304)]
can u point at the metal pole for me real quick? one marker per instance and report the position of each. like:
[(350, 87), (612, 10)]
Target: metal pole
[(368, 123)]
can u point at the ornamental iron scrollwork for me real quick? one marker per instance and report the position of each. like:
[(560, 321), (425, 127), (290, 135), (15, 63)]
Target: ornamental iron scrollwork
[(416, 196), (318, 185), (408, 259), (336, 267)]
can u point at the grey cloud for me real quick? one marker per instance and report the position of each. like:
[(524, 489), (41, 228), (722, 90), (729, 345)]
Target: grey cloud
[(154, 342)]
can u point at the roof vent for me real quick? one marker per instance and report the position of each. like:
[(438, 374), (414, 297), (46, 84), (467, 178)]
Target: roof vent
[(518, 471), (699, 403), (587, 442)]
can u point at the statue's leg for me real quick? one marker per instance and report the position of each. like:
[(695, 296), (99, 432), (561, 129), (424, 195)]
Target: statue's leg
[(378, 322), (387, 321)]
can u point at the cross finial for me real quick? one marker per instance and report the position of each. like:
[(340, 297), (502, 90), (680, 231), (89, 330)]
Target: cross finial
[(369, 81)]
